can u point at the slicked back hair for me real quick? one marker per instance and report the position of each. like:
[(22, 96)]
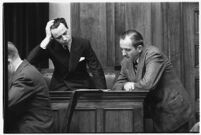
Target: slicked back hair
[(135, 37), (57, 22), (12, 51)]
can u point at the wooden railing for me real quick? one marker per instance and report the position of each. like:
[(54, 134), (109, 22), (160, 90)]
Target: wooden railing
[(99, 111)]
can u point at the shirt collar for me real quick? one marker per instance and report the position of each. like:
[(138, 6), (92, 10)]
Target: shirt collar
[(69, 45), (137, 61), (17, 63)]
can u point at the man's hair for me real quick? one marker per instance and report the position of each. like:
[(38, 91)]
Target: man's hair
[(12, 51), (57, 22), (135, 37)]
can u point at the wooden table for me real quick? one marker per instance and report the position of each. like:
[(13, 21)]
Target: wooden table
[(100, 111)]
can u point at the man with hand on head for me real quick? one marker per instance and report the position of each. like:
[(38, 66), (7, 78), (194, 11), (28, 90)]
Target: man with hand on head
[(70, 56), (147, 68), (29, 108)]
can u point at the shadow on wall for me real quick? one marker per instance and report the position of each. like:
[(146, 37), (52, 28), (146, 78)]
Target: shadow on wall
[(110, 76)]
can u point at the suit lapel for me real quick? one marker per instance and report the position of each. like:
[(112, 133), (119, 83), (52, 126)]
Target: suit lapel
[(75, 54), (140, 65), (131, 73)]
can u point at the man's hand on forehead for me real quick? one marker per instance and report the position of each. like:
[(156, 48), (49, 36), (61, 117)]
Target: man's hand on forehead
[(47, 29)]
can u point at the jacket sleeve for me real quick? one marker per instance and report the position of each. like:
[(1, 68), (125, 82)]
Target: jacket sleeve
[(121, 80), (155, 64), (37, 55), (20, 92), (95, 68)]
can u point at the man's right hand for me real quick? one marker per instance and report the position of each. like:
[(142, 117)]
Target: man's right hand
[(47, 28), (48, 37)]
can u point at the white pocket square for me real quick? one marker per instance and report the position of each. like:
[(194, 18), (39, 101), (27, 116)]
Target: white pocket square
[(82, 58)]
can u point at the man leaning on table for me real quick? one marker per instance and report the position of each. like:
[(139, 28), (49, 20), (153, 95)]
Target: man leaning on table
[(147, 68)]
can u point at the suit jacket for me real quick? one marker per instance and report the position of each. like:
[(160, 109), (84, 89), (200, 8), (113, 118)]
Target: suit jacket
[(69, 72), (169, 102), (28, 102)]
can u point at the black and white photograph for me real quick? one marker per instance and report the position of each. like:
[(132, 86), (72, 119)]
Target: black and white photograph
[(100, 67)]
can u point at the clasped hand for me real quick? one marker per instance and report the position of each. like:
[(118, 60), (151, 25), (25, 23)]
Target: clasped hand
[(129, 86)]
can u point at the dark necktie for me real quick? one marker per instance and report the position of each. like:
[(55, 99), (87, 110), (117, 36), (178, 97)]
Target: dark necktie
[(135, 66), (66, 48)]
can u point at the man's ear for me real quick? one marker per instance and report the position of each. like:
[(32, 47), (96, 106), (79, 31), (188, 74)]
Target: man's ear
[(139, 48), (9, 60)]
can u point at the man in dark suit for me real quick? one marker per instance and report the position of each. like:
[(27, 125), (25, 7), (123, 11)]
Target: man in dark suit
[(28, 99), (149, 69), (70, 56)]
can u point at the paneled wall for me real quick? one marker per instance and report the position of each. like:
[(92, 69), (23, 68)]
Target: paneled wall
[(191, 51), (102, 23)]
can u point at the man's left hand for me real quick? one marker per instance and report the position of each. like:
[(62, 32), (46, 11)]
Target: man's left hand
[(129, 86)]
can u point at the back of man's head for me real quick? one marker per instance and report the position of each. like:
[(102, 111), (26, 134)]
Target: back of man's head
[(57, 22), (135, 37), (12, 51)]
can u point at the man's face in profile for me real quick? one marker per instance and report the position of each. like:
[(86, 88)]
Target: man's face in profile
[(61, 34), (128, 51)]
